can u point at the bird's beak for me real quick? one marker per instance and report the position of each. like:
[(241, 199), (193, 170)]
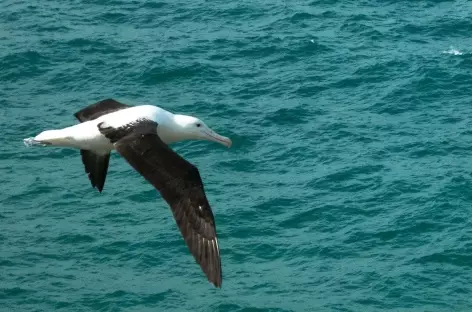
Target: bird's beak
[(215, 137)]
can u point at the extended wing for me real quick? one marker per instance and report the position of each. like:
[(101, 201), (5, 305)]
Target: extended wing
[(179, 183), (98, 109)]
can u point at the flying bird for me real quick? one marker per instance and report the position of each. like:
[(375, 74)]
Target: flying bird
[(141, 134)]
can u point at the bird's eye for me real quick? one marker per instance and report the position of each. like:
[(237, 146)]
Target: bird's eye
[(198, 125)]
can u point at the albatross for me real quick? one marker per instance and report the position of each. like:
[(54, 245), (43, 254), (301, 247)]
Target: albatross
[(141, 134)]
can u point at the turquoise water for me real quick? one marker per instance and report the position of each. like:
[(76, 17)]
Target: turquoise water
[(348, 186)]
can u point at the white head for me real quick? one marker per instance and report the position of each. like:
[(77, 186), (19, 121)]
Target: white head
[(191, 128)]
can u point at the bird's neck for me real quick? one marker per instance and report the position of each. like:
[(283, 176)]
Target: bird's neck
[(170, 130)]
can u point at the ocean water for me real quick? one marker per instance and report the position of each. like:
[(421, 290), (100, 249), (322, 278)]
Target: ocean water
[(348, 186)]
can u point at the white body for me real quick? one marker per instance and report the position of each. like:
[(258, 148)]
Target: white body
[(171, 128)]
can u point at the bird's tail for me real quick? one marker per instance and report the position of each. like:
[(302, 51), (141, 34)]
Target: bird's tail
[(48, 137)]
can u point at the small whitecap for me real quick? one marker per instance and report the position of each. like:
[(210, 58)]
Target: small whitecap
[(453, 51)]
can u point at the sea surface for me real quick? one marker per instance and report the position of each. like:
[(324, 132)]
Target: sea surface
[(348, 186)]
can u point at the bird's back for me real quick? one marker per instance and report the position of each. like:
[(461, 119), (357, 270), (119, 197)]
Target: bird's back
[(129, 115)]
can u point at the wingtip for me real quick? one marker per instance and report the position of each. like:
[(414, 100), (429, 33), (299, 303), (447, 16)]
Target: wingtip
[(216, 282)]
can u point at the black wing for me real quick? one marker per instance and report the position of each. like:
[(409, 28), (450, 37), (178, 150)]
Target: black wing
[(179, 183), (99, 109), (96, 165)]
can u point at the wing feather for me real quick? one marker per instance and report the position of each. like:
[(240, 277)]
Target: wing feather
[(98, 109), (180, 184)]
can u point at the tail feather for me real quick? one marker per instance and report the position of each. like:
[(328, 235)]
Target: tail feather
[(48, 137), (32, 142)]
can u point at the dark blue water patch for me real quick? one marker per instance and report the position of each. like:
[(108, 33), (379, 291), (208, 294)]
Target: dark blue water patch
[(404, 98), (289, 116), (245, 231), (57, 153), (359, 18), (333, 252), (148, 260), (226, 307), (458, 187), (154, 4), (116, 217), (52, 28), (452, 120), (113, 17), (41, 256), (438, 28), (254, 309), (175, 73), (449, 27), (323, 3), (372, 74), (266, 47), (302, 16), (305, 49), (462, 258), (241, 11), (398, 235), (111, 3), (10, 17), (146, 196), (75, 239), (7, 263), (23, 65), (95, 46), (463, 62), (116, 300), (153, 298), (286, 160), (310, 89), (250, 90), (69, 79), (335, 180), (43, 188), (382, 71), (113, 248), (62, 305), (244, 141), (225, 48), (278, 205), (111, 301), (298, 220), (351, 83), (402, 188), (9, 293), (268, 251), (241, 165)]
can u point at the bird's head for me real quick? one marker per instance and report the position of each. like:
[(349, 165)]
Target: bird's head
[(195, 129)]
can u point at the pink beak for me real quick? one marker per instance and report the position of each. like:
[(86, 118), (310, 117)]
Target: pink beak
[(215, 137)]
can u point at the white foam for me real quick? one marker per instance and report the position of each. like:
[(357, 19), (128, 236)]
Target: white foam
[(452, 51)]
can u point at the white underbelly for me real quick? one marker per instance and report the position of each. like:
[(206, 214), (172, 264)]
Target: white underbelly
[(87, 136)]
